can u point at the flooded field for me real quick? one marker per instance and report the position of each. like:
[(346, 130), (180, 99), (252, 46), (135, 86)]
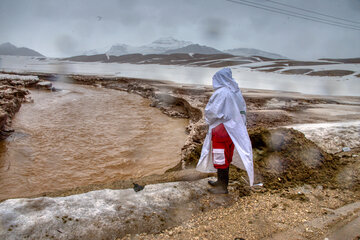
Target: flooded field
[(82, 135)]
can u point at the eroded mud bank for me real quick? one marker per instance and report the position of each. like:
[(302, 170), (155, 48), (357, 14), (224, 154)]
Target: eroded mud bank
[(13, 92)]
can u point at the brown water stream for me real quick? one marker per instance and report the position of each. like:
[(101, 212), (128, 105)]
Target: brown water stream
[(83, 135)]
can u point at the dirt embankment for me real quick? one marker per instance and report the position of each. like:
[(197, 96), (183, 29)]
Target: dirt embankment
[(13, 92), (286, 158)]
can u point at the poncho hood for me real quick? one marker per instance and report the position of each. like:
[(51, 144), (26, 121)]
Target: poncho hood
[(223, 78)]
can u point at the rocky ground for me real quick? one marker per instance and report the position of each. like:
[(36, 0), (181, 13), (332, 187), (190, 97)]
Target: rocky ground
[(305, 211), (303, 186)]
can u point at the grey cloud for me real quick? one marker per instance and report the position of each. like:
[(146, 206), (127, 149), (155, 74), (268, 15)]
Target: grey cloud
[(60, 28)]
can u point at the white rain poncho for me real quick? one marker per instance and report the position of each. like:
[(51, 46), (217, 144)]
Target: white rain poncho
[(227, 106)]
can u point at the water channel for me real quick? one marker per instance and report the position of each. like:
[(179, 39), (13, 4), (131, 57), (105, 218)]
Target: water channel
[(82, 135)]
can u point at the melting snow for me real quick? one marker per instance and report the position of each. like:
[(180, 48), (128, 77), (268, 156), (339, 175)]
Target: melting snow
[(247, 78)]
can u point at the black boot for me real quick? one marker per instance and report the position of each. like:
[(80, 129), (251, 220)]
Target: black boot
[(215, 183), (222, 183)]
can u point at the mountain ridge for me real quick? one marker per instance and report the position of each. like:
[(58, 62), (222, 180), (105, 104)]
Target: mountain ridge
[(170, 45), (10, 49), (195, 48), (158, 46), (250, 52)]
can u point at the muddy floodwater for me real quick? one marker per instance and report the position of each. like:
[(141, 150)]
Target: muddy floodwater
[(82, 135)]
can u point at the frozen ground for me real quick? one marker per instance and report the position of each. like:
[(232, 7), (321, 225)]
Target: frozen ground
[(247, 78), (17, 77), (332, 137), (103, 214)]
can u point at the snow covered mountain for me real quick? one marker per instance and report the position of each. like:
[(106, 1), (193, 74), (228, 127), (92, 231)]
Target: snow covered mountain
[(95, 51), (121, 49), (248, 52), (170, 45), (157, 47), (10, 49), (195, 48)]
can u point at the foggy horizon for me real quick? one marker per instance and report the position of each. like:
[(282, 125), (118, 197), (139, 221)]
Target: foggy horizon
[(68, 28)]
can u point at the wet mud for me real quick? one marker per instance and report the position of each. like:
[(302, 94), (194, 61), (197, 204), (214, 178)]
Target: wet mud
[(12, 94), (285, 158)]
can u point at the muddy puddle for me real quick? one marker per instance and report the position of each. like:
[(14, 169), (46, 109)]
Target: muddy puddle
[(82, 135)]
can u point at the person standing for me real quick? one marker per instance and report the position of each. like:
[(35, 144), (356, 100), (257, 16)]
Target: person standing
[(227, 141)]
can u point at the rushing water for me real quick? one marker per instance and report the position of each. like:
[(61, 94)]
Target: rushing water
[(83, 135)]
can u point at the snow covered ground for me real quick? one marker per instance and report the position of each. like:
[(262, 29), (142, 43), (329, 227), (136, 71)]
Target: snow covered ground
[(247, 78), (332, 137), (102, 214), (19, 77)]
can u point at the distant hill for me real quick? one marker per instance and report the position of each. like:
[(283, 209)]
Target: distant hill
[(10, 49), (249, 52), (342, 60), (170, 45), (195, 48)]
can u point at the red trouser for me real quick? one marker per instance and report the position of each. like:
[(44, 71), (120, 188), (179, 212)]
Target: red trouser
[(223, 147)]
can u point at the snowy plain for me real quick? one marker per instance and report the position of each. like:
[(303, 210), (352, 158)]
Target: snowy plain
[(247, 78)]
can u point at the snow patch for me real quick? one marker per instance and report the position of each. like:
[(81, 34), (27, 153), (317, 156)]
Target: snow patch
[(17, 77), (102, 214), (332, 137), (246, 78)]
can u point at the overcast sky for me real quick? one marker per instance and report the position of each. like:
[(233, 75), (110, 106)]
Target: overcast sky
[(68, 27)]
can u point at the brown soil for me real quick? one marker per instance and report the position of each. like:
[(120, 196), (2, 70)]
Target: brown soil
[(291, 63), (285, 158), (297, 71), (265, 212), (259, 215), (270, 69), (227, 63), (342, 60), (275, 65), (12, 93), (332, 73), (303, 63), (263, 118), (265, 59)]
